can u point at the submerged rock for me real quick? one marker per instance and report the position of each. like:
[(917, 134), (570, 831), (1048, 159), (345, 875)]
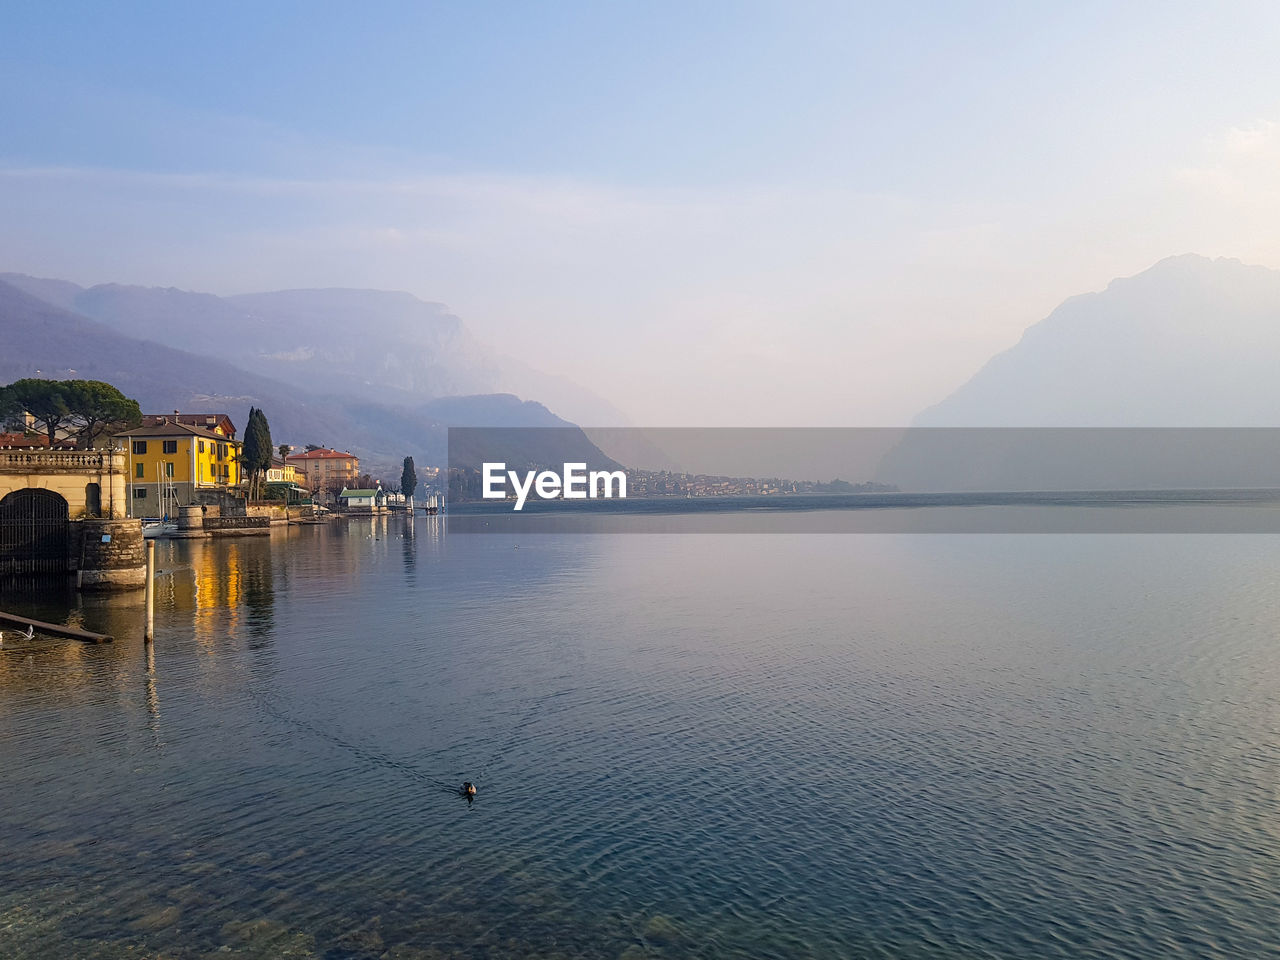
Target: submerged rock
[(157, 919), (266, 938), (367, 938), (404, 952), (663, 931)]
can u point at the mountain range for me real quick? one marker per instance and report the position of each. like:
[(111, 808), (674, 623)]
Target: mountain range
[(380, 374), (1188, 343)]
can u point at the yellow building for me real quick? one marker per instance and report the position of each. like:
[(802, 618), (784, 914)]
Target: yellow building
[(284, 479), (171, 464), (281, 471)]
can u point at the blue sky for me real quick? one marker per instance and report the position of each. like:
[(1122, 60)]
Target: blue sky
[(655, 93), (774, 185)]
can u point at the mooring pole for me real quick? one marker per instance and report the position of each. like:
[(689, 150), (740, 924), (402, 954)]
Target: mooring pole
[(151, 590)]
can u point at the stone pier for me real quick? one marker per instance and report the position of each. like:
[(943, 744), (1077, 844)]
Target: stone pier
[(191, 522), (113, 555)]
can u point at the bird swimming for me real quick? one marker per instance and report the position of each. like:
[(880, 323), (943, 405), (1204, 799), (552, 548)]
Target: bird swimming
[(468, 789)]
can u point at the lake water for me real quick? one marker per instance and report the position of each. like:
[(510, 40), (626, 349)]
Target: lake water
[(897, 746)]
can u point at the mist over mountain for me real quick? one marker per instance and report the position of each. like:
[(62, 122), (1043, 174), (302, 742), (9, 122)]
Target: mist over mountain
[(1190, 342), (60, 293), (367, 340), (44, 339), (384, 346)]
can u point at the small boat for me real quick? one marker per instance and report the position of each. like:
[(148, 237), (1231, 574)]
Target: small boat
[(153, 527)]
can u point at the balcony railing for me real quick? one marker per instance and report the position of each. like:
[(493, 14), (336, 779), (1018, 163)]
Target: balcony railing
[(25, 460)]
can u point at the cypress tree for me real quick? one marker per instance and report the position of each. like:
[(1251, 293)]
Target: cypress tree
[(255, 457), (408, 479)]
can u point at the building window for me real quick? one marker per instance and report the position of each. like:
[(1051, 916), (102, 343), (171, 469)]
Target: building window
[(200, 446), (139, 447), (171, 446), (168, 469), (222, 451), (137, 471), (139, 493)]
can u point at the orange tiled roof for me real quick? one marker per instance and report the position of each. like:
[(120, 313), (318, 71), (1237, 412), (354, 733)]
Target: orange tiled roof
[(22, 440)]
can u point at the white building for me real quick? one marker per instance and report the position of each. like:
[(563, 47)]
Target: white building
[(363, 501)]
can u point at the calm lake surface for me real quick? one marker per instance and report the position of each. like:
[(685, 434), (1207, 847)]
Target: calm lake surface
[(897, 746)]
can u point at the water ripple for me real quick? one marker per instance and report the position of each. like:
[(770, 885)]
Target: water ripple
[(711, 747)]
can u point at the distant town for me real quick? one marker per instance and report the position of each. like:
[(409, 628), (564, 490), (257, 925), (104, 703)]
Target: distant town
[(465, 484), (646, 483), (80, 450), (178, 458)]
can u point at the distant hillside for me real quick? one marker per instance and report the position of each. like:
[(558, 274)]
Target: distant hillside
[(389, 347), (1191, 342), (45, 340)]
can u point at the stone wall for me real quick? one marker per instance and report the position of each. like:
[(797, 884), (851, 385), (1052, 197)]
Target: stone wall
[(276, 511), (227, 504), (236, 526), (112, 555)]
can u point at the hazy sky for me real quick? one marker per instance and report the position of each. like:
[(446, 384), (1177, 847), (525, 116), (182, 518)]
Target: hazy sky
[(711, 213)]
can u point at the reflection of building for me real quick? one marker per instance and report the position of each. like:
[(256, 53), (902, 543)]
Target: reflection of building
[(326, 470), (179, 461)]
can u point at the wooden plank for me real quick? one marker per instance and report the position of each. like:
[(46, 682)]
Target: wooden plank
[(56, 629)]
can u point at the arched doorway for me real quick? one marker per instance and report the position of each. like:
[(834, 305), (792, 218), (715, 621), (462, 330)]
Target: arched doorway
[(92, 500), (34, 532)]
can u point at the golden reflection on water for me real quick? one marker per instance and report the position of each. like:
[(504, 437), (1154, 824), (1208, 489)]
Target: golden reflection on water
[(210, 591), (218, 585)]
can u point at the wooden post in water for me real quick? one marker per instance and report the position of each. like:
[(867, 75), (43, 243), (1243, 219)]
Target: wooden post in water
[(151, 590), (53, 629)]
